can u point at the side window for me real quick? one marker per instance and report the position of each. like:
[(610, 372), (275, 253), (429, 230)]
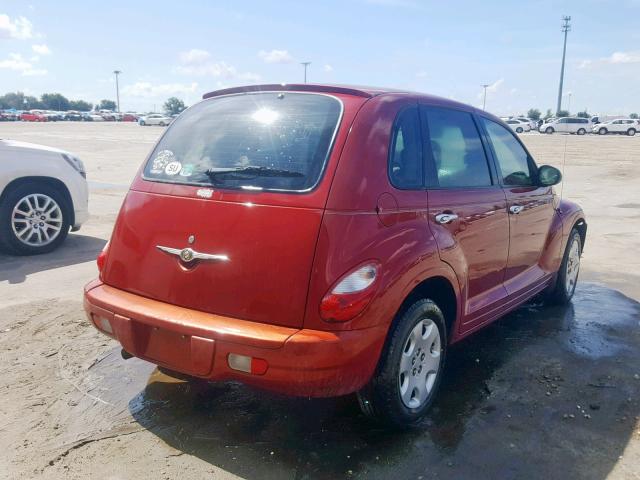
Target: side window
[(512, 159), (458, 156), (405, 151)]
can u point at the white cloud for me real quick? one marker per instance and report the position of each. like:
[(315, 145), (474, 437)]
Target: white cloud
[(149, 90), (328, 68), (624, 57), (197, 62), (195, 56), (20, 28), (275, 56), (495, 85), (41, 49), (17, 63)]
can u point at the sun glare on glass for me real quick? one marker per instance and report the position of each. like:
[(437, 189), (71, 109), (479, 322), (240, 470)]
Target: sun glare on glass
[(265, 116)]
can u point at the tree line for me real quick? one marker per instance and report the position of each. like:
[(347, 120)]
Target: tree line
[(50, 101)]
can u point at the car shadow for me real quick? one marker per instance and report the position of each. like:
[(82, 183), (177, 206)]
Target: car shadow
[(75, 249), (546, 392)]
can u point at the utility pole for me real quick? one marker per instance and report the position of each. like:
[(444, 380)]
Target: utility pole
[(116, 73), (566, 28), (305, 65), (484, 100)]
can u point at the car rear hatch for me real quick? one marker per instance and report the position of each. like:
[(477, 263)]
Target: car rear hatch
[(225, 214)]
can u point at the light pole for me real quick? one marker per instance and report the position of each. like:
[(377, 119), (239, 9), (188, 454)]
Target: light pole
[(305, 65), (566, 27), (484, 99), (569, 103), (116, 73)]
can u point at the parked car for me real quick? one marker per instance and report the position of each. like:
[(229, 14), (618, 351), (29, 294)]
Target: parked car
[(43, 194), (108, 116), (518, 126), (604, 118), (129, 117), (283, 239), (155, 119), (33, 116), (576, 125), (627, 126), (532, 123), (72, 116), (9, 116)]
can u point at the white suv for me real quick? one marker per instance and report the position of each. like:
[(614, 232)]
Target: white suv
[(567, 125), (621, 125), (43, 193)]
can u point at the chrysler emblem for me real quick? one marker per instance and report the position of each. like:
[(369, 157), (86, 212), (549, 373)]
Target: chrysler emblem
[(188, 255)]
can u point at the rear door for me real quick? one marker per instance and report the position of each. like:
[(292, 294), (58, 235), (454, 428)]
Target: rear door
[(226, 214), (530, 206), (467, 208)]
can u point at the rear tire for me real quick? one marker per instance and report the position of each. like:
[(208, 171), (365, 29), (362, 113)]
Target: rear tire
[(519, 130), (631, 132), (567, 277), (582, 131), (142, 124), (162, 124), (410, 369), (19, 234), (549, 130)]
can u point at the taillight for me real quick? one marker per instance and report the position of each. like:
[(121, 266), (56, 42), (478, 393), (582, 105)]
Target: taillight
[(351, 295), (102, 257)]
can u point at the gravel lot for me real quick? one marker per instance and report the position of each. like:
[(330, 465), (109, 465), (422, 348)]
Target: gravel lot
[(543, 393)]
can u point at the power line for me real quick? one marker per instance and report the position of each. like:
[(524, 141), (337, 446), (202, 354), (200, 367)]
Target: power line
[(566, 28)]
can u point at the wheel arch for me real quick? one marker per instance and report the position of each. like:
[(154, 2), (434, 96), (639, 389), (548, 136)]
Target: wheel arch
[(441, 290), (43, 180)]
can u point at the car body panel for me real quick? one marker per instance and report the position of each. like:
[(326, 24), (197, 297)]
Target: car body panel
[(21, 160)]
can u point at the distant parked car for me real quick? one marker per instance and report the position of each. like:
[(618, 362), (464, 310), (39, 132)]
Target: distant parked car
[(129, 117), (96, 117), (155, 119), (605, 118), (532, 123), (108, 117), (33, 116), (627, 126), (72, 116), (576, 125), (517, 125), (43, 194), (9, 116)]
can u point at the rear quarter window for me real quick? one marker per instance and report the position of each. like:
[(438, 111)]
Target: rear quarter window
[(264, 141)]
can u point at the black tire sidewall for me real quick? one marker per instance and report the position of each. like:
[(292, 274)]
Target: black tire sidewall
[(383, 392), (559, 294), (8, 240)]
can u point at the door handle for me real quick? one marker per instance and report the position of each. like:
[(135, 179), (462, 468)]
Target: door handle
[(515, 209), (444, 218)]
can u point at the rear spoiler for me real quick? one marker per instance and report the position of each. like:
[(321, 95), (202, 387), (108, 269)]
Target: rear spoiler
[(293, 87)]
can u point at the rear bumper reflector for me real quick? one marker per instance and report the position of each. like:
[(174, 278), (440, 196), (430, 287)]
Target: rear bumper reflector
[(244, 363)]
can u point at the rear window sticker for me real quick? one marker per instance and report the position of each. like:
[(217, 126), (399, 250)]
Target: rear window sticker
[(173, 168), (187, 170), (163, 158)]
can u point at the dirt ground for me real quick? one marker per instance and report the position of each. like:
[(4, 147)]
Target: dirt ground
[(547, 392)]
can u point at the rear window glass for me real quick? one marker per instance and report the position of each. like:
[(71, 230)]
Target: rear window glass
[(268, 140)]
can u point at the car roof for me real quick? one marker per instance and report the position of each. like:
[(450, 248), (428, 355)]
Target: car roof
[(355, 90)]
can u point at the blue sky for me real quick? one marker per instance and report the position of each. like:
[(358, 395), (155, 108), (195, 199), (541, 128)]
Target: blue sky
[(450, 48)]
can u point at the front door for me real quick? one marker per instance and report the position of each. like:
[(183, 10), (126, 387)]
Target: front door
[(467, 209), (530, 207)]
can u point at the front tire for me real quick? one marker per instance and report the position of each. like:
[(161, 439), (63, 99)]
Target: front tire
[(567, 277), (602, 131), (410, 369), (549, 130), (631, 132), (519, 130), (162, 124), (142, 124), (34, 219)]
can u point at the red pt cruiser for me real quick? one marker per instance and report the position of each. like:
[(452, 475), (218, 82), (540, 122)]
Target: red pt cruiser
[(320, 240)]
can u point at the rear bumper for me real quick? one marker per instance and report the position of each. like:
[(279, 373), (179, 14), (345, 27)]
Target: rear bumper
[(300, 361)]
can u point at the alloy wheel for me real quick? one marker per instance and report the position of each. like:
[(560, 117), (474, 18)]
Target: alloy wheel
[(36, 220), (573, 267)]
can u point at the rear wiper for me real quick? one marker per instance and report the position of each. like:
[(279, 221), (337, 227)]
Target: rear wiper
[(253, 170)]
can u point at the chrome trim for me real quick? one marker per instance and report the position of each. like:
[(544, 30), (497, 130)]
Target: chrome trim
[(188, 255)]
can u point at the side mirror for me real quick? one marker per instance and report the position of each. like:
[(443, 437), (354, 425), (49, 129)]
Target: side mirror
[(548, 176)]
